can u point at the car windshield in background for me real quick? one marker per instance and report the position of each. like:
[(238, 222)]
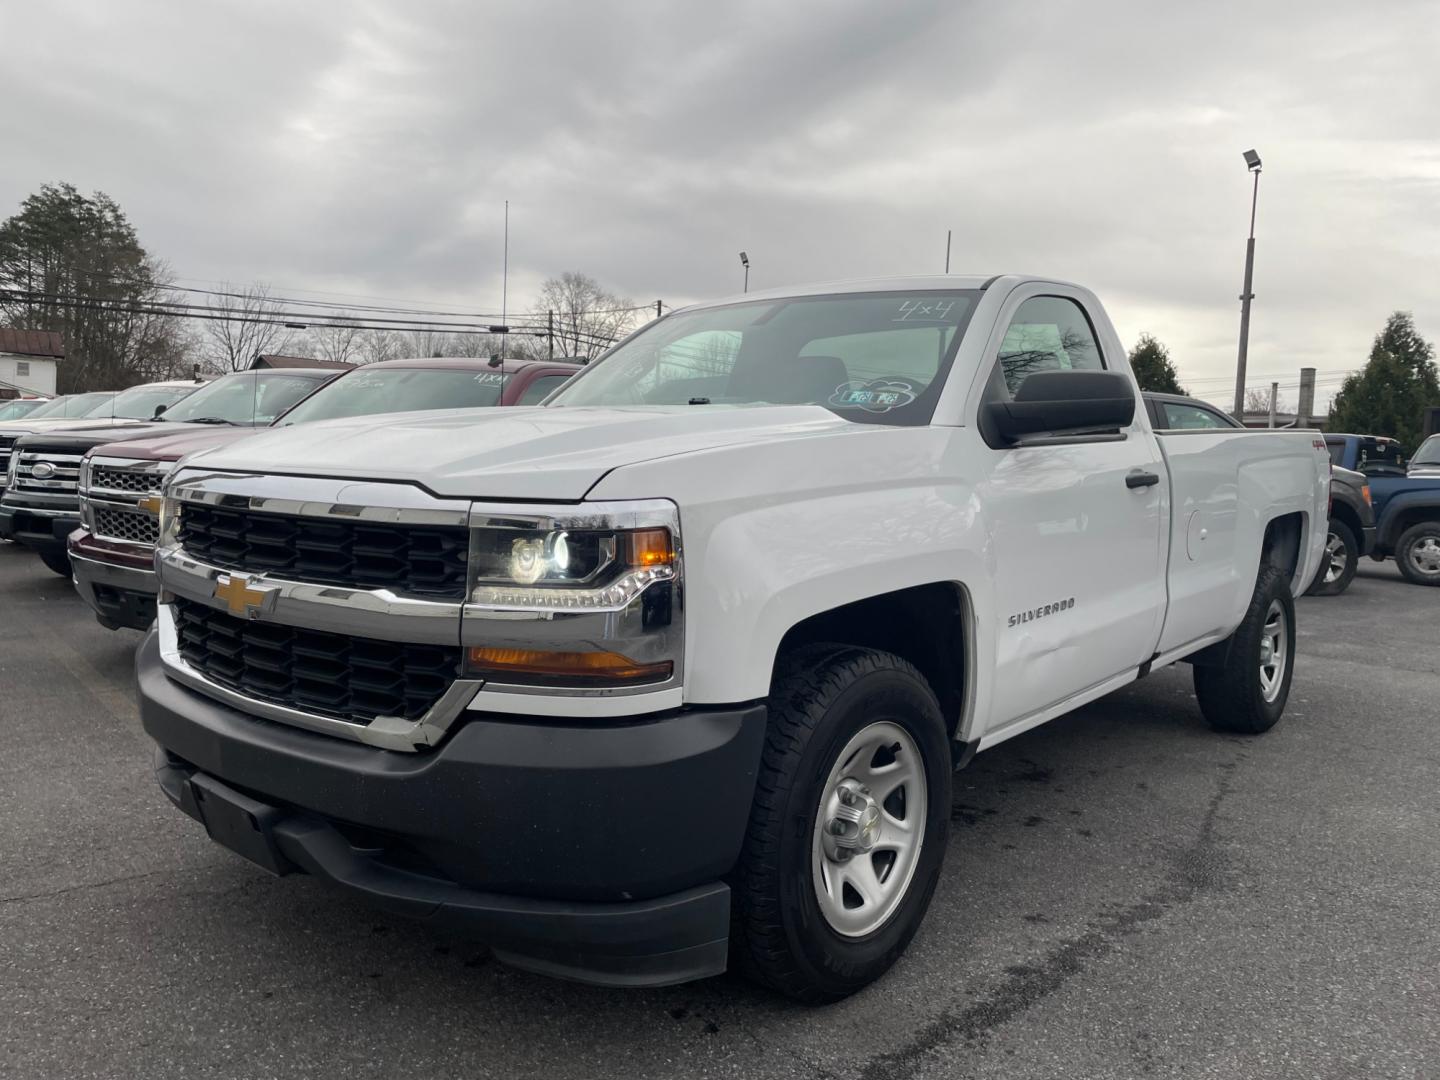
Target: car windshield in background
[(252, 397), (13, 410), (389, 390), (52, 408), (1429, 452), (95, 403), (875, 358), (140, 402)]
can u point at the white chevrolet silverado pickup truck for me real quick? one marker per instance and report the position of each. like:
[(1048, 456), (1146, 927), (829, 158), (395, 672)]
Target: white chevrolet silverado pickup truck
[(674, 670)]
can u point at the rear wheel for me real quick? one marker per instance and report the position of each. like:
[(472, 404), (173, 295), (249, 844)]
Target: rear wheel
[(57, 561), (1417, 553), (1337, 567), (1247, 692), (848, 829)]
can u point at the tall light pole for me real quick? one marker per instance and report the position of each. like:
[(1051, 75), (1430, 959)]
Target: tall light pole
[(745, 262), (1252, 161)]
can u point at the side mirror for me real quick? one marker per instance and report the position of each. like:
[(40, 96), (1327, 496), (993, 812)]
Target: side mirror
[(1064, 403), (158, 410)]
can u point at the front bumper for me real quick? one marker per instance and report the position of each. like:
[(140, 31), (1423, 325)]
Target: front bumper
[(41, 529), (119, 594), (591, 850)]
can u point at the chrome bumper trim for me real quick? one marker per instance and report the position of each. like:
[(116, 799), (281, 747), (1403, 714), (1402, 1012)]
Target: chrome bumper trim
[(95, 572)]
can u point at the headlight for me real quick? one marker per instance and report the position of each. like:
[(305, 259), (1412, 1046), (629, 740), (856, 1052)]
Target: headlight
[(583, 600), (564, 565), (11, 469), (169, 512)]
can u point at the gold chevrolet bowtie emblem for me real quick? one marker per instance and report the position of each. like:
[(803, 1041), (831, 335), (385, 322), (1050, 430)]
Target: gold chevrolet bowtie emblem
[(240, 596)]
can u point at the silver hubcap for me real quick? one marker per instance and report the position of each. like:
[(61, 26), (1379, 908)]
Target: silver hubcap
[(868, 829), (1274, 651), (1335, 558), (1425, 554)]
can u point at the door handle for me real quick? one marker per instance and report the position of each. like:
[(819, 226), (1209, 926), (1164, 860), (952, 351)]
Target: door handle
[(1139, 478)]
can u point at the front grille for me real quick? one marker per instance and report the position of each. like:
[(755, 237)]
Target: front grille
[(336, 675), (418, 560), (6, 442), (102, 476), (64, 471), (136, 526)]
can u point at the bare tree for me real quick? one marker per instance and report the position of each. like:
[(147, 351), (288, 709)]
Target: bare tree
[(588, 318), (424, 343), (379, 345), (248, 327), (339, 341), (1257, 400)]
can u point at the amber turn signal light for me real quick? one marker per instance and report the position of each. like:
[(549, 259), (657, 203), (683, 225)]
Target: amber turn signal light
[(649, 547), (563, 668)]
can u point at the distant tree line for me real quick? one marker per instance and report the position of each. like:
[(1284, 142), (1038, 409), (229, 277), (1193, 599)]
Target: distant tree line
[(73, 263)]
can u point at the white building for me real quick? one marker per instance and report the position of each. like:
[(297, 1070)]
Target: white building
[(27, 361)]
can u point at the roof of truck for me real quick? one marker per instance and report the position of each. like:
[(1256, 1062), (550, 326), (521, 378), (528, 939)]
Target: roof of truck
[(903, 283), (469, 363)]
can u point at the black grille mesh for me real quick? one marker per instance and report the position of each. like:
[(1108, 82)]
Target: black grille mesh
[(418, 560), (349, 678)]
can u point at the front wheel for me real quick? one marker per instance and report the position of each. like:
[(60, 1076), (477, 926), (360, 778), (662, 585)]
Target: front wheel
[(849, 826), (1337, 568), (1417, 553), (1246, 693), (57, 561)]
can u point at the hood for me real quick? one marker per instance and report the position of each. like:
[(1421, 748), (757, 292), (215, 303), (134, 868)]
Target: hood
[(31, 427), (173, 445), (528, 454), (83, 438)]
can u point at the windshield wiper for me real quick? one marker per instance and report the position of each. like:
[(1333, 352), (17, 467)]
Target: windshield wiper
[(211, 420)]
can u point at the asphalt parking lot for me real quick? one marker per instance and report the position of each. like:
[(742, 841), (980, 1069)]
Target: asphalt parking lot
[(1126, 894)]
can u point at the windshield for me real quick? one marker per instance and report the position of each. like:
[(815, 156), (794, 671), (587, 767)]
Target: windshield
[(53, 407), (249, 397), (96, 403), (1429, 452), (875, 358), (388, 390), (13, 410), (140, 402)]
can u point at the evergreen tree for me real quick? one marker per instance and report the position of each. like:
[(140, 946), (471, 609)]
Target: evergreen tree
[(73, 263), (1150, 361), (1389, 395)]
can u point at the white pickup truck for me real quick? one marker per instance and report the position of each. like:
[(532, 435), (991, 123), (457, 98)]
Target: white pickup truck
[(674, 670)]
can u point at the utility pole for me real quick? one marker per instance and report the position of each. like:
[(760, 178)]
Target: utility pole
[(1306, 408), (947, 249), (745, 262), (1274, 394), (659, 309), (1252, 161), (505, 278), (550, 331)]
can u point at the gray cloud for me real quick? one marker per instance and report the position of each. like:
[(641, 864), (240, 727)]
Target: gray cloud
[(366, 148)]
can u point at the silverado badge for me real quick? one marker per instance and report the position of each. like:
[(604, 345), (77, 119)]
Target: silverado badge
[(243, 595)]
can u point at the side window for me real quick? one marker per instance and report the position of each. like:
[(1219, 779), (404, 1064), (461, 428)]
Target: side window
[(540, 389), (1190, 417), (22, 368), (1048, 333)]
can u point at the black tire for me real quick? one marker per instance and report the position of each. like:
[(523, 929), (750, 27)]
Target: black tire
[(57, 561), (1349, 549), (1230, 693), (822, 696), (1412, 553)]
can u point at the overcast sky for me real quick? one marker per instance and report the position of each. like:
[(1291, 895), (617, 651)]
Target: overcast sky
[(366, 148)]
